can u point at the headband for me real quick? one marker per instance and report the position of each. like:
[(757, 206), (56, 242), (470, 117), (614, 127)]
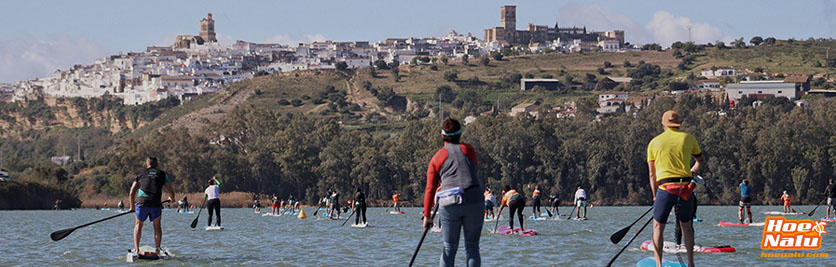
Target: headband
[(451, 134)]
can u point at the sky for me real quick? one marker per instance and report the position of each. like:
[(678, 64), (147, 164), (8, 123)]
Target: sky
[(39, 37)]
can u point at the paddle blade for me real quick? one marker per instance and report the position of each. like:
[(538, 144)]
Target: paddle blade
[(811, 213), (617, 236), (548, 212), (61, 234), (194, 223)]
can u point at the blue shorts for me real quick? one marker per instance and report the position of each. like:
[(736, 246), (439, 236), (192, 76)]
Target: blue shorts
[(143, 213), (666, 201)]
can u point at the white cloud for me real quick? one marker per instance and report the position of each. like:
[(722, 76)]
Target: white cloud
[(600, 18), (664, 28), (288, 40), (28, 57), (667, 28)]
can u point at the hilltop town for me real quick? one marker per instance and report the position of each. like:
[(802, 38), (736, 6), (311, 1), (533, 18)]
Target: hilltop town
[(198, 64)]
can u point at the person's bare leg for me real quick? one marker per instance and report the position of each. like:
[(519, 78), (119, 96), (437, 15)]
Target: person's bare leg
[(688, 235), (658, 241), (137, 234), (158, 233), (740, 213), (749, 211)]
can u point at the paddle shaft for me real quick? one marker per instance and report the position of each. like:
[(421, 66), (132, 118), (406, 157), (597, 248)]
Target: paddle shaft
[(424, 235), (349, 216), (629, 242), (60, 234), (194, 222), (617, 236), (574, 206), (817, 206)]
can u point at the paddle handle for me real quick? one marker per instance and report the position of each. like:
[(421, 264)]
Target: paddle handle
[(629, 242), (424, 235)]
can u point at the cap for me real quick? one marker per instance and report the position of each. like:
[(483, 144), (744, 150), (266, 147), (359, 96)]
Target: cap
[(671, 119)]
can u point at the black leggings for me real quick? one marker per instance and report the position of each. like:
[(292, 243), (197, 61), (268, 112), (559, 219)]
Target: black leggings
[(678, 231), (536, 206), (214, 205), (517, 206), (361, 209)]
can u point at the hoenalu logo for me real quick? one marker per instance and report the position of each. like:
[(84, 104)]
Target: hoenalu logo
[(783, 234)]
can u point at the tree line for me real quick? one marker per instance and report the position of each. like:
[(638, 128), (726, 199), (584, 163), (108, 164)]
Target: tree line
[(776, 146)]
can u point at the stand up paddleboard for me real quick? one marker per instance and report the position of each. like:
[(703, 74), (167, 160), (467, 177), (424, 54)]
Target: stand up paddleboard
[(727, 224), (506, 230), (580, 219), (829, 219), (213, 228), (670, 247), (396, 212), (362, 225), (532, 218), (783, 213), (435, 229), (148, 253), (650, 262), (186, 212)]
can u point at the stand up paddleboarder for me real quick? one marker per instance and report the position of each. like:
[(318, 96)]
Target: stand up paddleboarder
[(453, 169), (745, 201), (145, 199), (668, 161)]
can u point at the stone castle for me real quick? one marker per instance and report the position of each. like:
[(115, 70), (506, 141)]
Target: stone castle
[(508, 35), (207, 34)]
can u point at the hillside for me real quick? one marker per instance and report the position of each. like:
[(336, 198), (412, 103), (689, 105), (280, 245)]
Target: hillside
[(334, 125)]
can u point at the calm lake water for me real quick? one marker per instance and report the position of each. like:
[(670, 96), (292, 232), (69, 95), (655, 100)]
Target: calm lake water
[(250, 239)]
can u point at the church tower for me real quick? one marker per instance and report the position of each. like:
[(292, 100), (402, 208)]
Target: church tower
[(509, 18), (207, 29)]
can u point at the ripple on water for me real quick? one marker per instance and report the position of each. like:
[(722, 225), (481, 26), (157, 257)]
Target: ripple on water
[(250, 239)]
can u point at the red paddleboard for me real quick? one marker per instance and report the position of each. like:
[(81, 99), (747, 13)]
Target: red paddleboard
[(670, 247), (506, 230), (727, 224), (829, 219)]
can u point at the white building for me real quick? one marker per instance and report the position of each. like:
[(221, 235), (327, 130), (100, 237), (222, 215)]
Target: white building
[(761, 89), (719, 72)]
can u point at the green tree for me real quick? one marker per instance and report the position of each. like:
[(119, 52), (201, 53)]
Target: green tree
[(756, 41), (485, 60), (341, 65)]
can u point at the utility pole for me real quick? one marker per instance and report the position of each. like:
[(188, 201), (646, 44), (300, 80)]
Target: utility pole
[(689, 35), (78, 147)]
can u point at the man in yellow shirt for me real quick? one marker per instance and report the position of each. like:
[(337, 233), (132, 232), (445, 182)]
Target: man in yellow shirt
[(669, 163)]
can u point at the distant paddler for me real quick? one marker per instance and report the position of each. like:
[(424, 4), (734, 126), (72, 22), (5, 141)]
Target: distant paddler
[(580, 202), (787, 202), (359, 206), (396, 197), (145, 198), (213, 202), (535, 202)]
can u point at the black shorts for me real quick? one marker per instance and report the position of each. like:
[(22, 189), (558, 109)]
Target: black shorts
[(536, 201), (488, 205), (745, 202), (665, 201)]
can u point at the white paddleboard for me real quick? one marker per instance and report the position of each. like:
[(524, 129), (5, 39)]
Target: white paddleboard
[(148, 253), (213, 228), (362, 225)]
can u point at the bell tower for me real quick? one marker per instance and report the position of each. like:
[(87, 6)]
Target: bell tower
[(509, 18), (207, 29)]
